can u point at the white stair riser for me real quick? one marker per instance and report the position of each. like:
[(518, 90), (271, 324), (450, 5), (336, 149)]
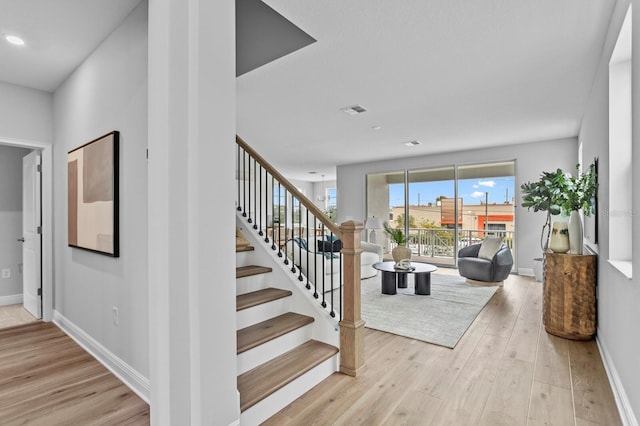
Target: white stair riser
[(273, 348), (253, 283), (281, 398), (256, 314), (245, 258)]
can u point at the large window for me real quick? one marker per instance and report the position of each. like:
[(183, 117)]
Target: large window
[(442, 209), (620, 179)]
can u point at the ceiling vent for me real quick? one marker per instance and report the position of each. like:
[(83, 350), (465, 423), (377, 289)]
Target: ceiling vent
[(353, 109), (412, 143)]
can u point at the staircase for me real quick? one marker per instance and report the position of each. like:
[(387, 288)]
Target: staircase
[(279, 356)]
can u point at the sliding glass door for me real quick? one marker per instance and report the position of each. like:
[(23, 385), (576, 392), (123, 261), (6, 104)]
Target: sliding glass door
[(443, 209), (487, 191), (431, 210)]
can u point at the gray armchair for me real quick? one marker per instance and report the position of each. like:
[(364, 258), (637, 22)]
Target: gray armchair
[(475, 268)]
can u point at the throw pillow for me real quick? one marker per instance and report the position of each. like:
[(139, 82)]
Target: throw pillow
[(489, 247), (329, 246)]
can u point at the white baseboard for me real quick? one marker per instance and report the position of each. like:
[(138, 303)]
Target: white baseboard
[(14, 299), (123, 371), (527, 272), (622, 401)]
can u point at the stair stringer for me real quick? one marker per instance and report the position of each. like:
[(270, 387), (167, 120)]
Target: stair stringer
[(324, 328)]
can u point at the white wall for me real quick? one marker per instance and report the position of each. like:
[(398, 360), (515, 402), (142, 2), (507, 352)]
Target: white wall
[(26, 113), (107, 92), (11, 218), (191, 200), (618, 297), (26, 116), (531, 160)]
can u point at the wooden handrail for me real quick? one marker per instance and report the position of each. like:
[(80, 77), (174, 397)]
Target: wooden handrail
[(291, 188)]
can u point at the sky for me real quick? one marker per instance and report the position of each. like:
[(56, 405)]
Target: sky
[(472, 191)]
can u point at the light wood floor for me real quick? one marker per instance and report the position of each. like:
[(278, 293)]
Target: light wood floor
[(47, 379), (506, 370), (11, 315)]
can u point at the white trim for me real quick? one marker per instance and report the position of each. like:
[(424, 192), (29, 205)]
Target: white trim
[(622, 401), (123, 371), (625, 267), (14, 299), (527, 272), (47, 218)]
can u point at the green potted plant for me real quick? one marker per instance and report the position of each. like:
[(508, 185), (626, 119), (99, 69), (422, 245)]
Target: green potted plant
[(400, 251), (561, 193), (542, 195)]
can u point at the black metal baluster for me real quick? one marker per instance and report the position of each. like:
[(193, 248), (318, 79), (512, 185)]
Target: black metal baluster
[(307, 254), (266, 206), (244, 185), (324, 300), (255, 192), (249, 188), (239, 208), (273, 219), (260, 232), (286, 220), (316, 295), (280, 219), (333, 310)]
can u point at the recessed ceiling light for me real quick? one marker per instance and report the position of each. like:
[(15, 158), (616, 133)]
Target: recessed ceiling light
[(353, 109), (412, 143), (13, 39), (313, 173), (376, 127)]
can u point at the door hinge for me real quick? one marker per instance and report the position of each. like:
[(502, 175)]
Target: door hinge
[(39, 230), (39, 292), (38, 168)]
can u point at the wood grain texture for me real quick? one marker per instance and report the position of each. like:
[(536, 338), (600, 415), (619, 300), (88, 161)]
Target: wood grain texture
[(247, 271), (257, 334), (506, 370), (569, 308), (47, 379), (255, 298), (262, 381)]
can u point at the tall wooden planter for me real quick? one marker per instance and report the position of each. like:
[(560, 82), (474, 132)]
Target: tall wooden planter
[(569, 295)]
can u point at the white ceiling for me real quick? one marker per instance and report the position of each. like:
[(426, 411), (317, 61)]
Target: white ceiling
[(454, 74), (59, 36)]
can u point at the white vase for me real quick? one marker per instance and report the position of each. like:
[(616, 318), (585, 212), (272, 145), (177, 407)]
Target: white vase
[(559, 242), (575, 232)]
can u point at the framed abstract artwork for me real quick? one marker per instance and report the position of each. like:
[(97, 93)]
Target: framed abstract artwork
[(92, 194)]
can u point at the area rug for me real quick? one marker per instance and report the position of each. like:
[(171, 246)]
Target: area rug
[(441, 318)]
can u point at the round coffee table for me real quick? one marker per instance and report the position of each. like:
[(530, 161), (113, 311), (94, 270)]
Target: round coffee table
[(391, 275)]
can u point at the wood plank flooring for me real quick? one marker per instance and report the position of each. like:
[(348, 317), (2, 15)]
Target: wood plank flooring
[(506, 370), (47, 379)]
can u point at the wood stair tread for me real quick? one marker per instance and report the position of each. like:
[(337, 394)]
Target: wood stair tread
[(262, 381), (255, 298), (257, 334), (244, 248), (249, 270)]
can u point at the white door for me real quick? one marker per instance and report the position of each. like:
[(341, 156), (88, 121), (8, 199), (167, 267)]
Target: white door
[(31, 234)]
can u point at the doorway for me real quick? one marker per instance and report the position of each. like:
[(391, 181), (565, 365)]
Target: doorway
[(44, 277)]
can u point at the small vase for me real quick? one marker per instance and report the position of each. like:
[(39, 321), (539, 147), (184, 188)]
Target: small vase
[(575, 233), (401, 252), (559, 242)]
